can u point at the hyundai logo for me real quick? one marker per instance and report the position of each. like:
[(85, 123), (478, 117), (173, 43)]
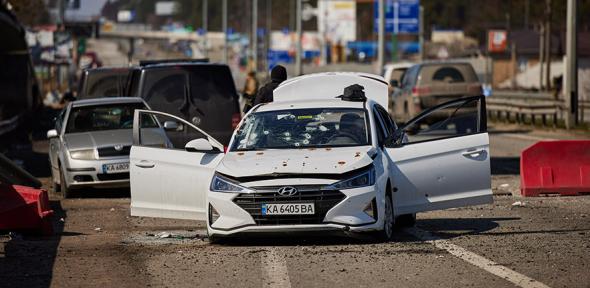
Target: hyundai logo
[(119, 147), (287, 191)]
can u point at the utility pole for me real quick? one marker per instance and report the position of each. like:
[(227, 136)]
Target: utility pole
[(526, 14), (62, 11), (548, 44), (224, 28), (268, 32), (541, 53), (298, 56), (205, 28), (255, 34), (381, 37), (571, 66), (421, 32)]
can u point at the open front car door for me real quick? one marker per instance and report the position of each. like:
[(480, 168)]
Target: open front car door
[(441, 158), (171, 166)]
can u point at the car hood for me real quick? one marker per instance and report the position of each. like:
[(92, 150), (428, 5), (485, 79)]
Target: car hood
[(87, 140), (296, 161)]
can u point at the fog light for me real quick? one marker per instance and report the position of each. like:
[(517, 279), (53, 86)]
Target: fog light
[(213, 215), (371, 209), (83, 178)]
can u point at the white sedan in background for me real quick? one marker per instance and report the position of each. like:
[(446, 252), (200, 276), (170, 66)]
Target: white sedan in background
[(310, 162)]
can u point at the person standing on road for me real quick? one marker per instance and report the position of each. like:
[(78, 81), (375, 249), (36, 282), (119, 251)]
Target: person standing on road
[(250, 89), (278, 74)]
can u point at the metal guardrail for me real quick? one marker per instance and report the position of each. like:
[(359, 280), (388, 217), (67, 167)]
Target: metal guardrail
[(527, 107)]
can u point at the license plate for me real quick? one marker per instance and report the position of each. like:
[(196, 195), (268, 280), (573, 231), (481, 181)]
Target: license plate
[(288, 209), (115, 168)]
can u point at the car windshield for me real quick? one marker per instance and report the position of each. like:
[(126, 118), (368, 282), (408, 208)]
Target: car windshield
[(103, 117), (302, 128)]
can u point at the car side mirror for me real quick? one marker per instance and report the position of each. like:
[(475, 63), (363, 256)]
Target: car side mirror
[(170, 125), (397, 139), (52, 134), (199, 145), (394, 83)]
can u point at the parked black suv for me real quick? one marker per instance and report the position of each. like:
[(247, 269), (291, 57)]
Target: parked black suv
[(202, 93), (103, 82)]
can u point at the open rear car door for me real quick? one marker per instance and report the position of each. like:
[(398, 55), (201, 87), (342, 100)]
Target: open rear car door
[(441, 158), (171, 166)]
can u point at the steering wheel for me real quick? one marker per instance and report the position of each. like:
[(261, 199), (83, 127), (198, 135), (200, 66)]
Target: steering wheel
[(342, 134)]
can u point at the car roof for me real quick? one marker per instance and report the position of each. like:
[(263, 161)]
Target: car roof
[(172, 64), (398, 65), (433, 63), (109, 69), (304, 104), (106, 101)]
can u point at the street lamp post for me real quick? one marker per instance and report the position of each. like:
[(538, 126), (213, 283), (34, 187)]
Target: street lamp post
[(255, 34), (224, 28), (381, 37), (571, 67), (298, 56)]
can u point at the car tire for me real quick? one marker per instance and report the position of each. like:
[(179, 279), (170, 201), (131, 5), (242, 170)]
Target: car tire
[(213, 239), (386, 233), (406, 220), (65, 191)]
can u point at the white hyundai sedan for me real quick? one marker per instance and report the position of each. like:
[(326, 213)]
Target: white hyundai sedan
[(313, 161)]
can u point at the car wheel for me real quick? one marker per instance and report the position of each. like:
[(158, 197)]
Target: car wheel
[(406, 220), (65, 191), (213, 239), (388, 221)]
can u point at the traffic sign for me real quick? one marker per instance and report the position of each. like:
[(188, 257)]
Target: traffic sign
[(401, 16)]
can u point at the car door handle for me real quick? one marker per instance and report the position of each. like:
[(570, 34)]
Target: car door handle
[(145, 164), (474, 153)]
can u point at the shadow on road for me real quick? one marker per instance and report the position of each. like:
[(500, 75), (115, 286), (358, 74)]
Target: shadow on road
[(29, 261), (101, 193), (505, 165), (455, 227)]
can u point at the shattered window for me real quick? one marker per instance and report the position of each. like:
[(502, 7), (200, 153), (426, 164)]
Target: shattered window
[(302, 128)]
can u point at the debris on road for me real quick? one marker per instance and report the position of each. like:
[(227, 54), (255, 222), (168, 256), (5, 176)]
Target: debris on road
[(519, 204), (97, 229), (163, 235)]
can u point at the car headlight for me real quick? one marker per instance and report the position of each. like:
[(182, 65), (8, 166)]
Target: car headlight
[(366, 178), (222, 184), (86, 154)]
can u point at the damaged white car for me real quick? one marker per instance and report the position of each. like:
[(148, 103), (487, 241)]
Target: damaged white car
[(313, 161)]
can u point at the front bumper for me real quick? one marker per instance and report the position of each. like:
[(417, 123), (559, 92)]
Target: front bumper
[(89, 173), (343, 215)]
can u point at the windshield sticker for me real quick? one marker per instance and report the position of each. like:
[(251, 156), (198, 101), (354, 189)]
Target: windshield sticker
[(302, 117)]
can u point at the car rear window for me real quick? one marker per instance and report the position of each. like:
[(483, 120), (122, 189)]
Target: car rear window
[(102, 117), (447, 73), (104, 84)]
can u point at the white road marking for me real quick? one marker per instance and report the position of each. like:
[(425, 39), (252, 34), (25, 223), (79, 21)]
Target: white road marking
[(479, 261), (274, 269)]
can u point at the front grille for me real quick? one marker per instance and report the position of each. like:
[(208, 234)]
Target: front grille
[(111, 151), (114, 176), (324, 200)]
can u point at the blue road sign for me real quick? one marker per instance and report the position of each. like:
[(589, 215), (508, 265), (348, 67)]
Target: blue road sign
[(401, 16)]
